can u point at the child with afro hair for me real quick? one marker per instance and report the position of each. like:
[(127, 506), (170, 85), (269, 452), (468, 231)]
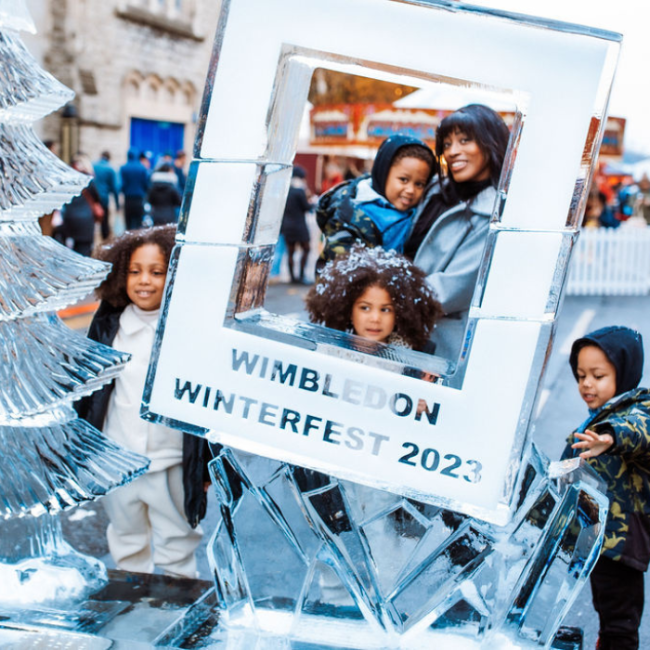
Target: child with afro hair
[(376, 294)]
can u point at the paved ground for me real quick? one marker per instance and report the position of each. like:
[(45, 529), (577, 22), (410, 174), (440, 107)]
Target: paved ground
[(559, 409)]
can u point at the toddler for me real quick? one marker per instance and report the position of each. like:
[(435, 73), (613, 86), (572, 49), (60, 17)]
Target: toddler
[(377, 210), (376, 294), (615, 441), (163, 507)]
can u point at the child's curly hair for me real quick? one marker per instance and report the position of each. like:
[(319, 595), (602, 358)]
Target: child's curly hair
[(343, 279), (118, 253)]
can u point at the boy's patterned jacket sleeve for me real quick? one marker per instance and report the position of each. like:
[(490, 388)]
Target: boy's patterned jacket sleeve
[(341, 235), (625, 468), (631, 433), (343, 224)]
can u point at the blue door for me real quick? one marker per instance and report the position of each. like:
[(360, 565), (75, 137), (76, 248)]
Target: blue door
[(156, 138)]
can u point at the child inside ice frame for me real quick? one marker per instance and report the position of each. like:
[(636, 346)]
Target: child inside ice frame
[(378, 295)]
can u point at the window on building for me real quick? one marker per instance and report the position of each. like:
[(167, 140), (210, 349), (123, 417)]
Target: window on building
[(177, 15)]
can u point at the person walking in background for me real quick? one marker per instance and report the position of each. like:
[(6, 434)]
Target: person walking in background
[(164, 197), (165, 159), (294, 225), (77, 230), (153, 520), (628, 200), (332, 177), (179, 168), (597, 213), (278, 256), (615, 441), (644, 197), (106, 184), (145, 159), (134, 181)]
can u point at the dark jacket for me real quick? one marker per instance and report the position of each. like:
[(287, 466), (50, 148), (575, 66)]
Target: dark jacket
[(78, 218), (294, 225), (181, 178), (450, 254), (164, 198), (93, 408), (106, 182), (625, 467), (343, 224), (134, 177)]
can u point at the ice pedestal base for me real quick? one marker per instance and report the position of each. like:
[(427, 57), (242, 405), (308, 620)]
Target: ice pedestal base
[(342, 637), (143, 612), (135, 611), (302, 556)]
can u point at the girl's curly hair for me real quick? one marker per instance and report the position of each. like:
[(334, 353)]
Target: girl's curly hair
[(118, 253), (343, 279)]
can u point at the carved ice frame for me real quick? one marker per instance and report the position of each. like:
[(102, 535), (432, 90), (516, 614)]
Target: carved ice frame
[(558, 77)]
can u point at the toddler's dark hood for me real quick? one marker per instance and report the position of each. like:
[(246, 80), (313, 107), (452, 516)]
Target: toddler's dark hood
[(622, 346), (384, 159)]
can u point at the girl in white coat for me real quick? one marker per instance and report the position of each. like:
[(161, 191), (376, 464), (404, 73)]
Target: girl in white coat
[(154, 519)]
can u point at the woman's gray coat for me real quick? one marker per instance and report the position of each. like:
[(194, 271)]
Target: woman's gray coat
[(450, 254)]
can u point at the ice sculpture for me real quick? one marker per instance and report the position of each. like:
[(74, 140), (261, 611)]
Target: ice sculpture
[(395, 522), (51, 460), (298, 555)]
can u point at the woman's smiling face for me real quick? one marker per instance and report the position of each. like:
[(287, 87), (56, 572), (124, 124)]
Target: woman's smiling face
[(465, 159)]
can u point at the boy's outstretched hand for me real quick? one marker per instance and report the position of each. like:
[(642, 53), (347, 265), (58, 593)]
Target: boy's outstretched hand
[(592, 443)]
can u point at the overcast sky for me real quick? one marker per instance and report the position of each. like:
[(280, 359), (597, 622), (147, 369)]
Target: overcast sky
[(631, 93)]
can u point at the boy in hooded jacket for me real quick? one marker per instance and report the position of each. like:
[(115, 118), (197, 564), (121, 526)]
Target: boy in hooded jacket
[(615, 441), (376, 210)]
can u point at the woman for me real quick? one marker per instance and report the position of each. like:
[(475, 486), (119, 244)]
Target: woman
[(449, 235), (294, 225)]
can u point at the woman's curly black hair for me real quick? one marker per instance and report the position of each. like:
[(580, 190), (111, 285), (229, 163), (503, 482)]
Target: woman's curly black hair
[(118, 253), (343, 279)]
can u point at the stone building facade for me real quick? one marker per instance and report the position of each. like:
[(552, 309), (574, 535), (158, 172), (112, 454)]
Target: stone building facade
[(131, 63)]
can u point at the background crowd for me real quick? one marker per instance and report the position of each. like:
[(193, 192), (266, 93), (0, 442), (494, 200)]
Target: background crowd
[(138, 194), (609, 206)]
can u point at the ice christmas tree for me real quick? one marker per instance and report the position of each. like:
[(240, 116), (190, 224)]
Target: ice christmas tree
[(51, 460)]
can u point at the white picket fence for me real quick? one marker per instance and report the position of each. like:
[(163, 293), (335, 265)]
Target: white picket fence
[(611, 262)]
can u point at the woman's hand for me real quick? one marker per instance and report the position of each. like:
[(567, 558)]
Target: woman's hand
[(593, 443)]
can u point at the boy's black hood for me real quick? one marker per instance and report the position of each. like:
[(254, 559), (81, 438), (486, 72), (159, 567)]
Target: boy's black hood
[(384, 159), (622, 346)]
